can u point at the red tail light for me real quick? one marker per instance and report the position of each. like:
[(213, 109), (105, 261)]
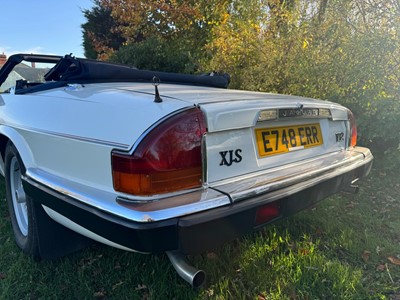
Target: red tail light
[(167, 160), (353, 129)]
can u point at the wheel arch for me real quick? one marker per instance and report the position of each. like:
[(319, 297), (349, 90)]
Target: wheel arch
[(10, 134)]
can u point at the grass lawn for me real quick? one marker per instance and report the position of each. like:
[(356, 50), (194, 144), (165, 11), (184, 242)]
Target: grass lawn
[(347, 247)]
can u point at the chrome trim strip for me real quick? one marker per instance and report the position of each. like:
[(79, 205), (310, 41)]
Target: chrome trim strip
[(295, 113), (86, 139), (2, 166), (138, 211), (320, 168), (265, 186), (82, 230), (204, 176), (302, 112)]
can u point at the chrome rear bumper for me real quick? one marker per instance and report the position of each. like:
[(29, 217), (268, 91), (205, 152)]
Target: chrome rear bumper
[(271, 184), (194, 222)]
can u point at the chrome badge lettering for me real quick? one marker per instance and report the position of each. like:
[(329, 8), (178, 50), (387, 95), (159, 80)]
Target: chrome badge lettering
[(339, 137), (229, 157), (299, 109)]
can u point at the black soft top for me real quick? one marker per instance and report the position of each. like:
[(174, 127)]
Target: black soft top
[(69, 69)]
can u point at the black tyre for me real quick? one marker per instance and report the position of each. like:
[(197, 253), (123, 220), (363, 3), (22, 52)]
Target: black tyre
[(19, 204)]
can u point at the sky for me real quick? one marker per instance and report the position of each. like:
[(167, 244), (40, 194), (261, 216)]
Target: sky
[(42, 26)]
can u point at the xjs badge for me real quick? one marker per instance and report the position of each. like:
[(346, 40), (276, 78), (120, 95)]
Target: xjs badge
[(229, 157)]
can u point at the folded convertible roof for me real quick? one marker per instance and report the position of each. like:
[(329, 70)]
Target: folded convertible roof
[(73, 69), (69, 69)]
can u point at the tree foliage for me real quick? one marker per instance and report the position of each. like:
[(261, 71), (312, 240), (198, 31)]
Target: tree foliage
[(155, 53), (100, 33), (346, 51), (343, 51), (178, 27)]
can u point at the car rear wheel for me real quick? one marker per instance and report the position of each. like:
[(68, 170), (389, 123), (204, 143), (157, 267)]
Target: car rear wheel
[(20, 204)]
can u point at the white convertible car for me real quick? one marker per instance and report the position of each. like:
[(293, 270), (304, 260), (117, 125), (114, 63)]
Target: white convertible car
[(159, 162)]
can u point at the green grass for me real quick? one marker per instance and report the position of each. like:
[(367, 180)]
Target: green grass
[(336, 250)]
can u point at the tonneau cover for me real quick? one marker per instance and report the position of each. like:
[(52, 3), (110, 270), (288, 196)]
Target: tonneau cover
[(69, 69), (84, 70)]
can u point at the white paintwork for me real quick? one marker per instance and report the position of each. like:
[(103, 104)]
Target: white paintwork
[(70, 132), (96, 112), (244, 113)]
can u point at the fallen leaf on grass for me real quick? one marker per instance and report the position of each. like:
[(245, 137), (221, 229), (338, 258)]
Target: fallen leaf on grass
[(365, 255), (117, 285), (304, 252), (319, 232), (2, 276), (212, 255), (350, 205), (143, 290), (394, 260), (381, 268), (99, 295), (141, 287)]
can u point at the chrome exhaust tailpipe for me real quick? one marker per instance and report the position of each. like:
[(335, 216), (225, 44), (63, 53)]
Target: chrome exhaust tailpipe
[(190, 274), (353, 189)]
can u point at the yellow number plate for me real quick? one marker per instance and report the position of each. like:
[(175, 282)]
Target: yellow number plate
[(277, 140)]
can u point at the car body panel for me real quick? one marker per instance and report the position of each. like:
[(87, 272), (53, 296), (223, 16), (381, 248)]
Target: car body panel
[(95, 118), (78, 112), (67, 129)]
